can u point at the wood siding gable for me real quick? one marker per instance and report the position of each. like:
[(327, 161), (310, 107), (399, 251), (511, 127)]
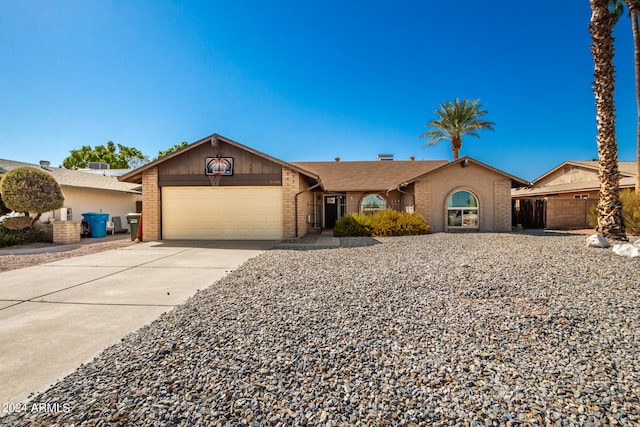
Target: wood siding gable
[(188, 169)]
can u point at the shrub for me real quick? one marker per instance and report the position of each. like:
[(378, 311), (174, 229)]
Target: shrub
[(17, 222), (31, 190), (592, 218), (3, 208), (630, 211), (351, 226), (21, 237), (383, 223)]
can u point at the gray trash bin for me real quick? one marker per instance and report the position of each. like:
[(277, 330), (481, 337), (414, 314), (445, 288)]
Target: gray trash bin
[(133, 219)]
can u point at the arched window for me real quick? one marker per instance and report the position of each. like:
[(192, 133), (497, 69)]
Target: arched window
[(373, 203), (462, 210)]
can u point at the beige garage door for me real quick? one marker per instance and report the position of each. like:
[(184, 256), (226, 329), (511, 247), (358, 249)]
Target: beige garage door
[(201, 213)]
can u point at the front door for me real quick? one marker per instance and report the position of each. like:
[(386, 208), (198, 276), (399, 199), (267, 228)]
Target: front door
[(331, 210)]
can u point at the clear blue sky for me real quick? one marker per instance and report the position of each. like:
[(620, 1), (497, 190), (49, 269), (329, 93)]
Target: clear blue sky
[(305, 80)]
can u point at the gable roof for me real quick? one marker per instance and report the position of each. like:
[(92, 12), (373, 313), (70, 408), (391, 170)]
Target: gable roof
[(74, 178), (627, 180), (136, 174), (625, 168), (572, 187), (369, 175), (463, 161)]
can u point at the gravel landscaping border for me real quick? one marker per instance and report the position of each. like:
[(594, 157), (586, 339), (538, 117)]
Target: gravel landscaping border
[(443, 329)]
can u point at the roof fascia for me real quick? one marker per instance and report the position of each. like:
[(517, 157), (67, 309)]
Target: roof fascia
[(514, 179), (572, 163), (136, 174)]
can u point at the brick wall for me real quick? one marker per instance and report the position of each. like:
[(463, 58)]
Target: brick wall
[(424, 200), (290, 186), (502, 205), (150, 205), (568, 213), (65, 232)]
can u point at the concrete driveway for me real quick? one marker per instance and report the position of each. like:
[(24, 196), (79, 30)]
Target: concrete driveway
[(56, 316)]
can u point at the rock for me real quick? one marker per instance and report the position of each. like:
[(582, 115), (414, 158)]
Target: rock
[(597, 241), (627, 249), (445, 329)]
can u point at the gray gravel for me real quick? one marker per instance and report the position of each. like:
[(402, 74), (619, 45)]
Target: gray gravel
[(444, 329)]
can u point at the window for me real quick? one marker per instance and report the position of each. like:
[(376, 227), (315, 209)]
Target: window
[(373, 203), (462, 210)]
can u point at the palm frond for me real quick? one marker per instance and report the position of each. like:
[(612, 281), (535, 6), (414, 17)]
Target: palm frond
[(455, 119)]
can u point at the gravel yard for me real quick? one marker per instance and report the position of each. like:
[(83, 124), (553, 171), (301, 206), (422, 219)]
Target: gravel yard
[(444, 329)]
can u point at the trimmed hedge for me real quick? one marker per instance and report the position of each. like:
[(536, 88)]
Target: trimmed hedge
[(22, 237), (31, 190), (630, 211), (383, 223)]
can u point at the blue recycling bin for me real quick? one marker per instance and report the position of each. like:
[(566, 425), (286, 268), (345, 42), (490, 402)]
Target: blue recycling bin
[(97, 223)]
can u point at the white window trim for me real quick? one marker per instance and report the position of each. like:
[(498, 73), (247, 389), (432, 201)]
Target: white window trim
[(467, 210)]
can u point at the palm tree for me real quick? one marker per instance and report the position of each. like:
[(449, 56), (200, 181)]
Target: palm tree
[(610, 219), (634, 8), (455, 120)]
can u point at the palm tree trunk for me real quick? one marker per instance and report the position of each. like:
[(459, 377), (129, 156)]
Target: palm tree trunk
[(610, 219), (456, 145), (632, 5)]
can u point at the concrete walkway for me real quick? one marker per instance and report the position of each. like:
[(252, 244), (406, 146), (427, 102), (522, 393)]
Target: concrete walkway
[(56, 316), (324, 240)]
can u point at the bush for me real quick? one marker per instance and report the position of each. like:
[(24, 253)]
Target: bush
[(351, 226), (21, 237), (3, 208), (383, 223), (630, 211), (17, 222), (31, 190)]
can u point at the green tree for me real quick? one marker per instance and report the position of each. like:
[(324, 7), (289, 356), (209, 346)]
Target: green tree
[(122, 157), (633, 6), (30, 190), (171, 150), (455, 120), (610, 217)]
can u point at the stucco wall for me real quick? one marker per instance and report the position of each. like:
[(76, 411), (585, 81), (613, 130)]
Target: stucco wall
[(353, 200), (82, 200), (433, 191)]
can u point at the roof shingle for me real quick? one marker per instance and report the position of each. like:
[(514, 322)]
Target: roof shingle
[(74, 178), (368, 175)]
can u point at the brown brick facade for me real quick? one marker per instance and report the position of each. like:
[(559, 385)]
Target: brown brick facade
[(568, 213), (502, 205), (290, 186), (150, 205), (424, 199)]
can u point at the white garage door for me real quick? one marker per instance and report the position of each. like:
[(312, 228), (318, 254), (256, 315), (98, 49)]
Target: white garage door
[(201, 213)]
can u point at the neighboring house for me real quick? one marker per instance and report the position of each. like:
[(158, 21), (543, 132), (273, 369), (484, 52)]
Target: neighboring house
[(86, 192), (563, 197), (217, 188), (101, 168)]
